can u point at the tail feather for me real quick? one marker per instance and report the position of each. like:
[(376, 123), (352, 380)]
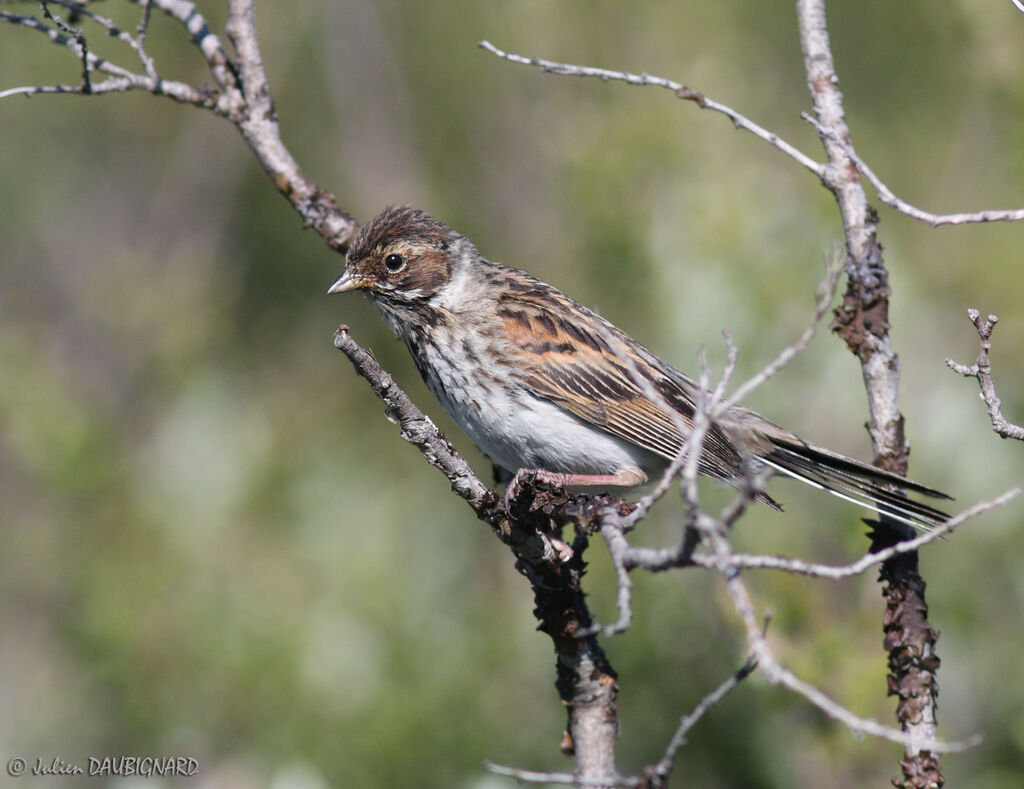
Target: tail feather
[(868, 486)]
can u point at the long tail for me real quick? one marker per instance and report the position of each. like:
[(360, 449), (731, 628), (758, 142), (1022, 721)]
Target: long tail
[(854, 481)]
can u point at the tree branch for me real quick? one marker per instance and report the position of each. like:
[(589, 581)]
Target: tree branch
[(891, 199), (681, 91), (657, 774), (863, 323), (775, 673), (859, 567), (586, 681), (531, 524), (241, 95), (120, 81), (982, 370)]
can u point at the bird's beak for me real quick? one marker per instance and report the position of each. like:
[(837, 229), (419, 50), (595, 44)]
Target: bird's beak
[(347, 281)]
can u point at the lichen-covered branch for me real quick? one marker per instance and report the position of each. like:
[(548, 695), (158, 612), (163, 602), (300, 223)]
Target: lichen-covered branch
[(656, 775), (242, 96), (531, 522), (586, 681), (863, 323)]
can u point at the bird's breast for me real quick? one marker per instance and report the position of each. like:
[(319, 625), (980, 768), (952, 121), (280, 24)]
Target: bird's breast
[(479, 388)]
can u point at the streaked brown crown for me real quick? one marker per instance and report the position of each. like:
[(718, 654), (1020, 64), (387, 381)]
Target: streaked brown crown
[(400, 223)]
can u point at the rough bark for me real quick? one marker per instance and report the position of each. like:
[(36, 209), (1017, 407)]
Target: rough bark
[(863, 322)]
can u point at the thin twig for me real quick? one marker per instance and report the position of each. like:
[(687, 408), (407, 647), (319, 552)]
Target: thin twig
[(690, 450), (221, 68), (891, 199), (982, 370), (141, 31), (112, 30), (623, 556), (681, 91), (618, 548), (775, 673), (825, 293), (417, 427), (79, 37), (241, 30), (613, 528), (122, 79), (658, 773), (241, 95), (567, 779), (837, 572)]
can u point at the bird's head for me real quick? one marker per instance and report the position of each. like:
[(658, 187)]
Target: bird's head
[(401, 256)]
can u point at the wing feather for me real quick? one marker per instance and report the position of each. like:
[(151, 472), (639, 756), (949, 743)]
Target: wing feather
[(584, 372)]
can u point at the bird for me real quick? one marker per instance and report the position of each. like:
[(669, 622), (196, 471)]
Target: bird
[(542, 384)]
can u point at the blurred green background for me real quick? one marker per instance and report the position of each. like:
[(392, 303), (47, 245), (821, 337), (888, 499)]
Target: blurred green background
[(215, 545)]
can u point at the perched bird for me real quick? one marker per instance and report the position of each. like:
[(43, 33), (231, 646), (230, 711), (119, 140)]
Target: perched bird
[(540, 382)]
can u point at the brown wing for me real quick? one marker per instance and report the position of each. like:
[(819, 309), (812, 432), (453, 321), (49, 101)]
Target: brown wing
[(578, 360)]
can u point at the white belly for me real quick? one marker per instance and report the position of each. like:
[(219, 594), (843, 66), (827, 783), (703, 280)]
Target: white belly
[(517, 429)]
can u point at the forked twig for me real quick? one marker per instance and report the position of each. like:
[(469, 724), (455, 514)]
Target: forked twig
[(982, 370), (891, 199)]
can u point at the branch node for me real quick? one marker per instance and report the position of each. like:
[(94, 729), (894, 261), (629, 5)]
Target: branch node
[(982, 370)]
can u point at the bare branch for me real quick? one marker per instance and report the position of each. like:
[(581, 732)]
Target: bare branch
[(777, 674), (729, 564), (657, 774), (79, 38), (241, 29), (567, 779), (418, 429), (863, 323), (242, 95), (221, 67), (690, 451), (681, 91), (136, 43), (586, 681), (982, 370), (141, 31), (618, 549), (825, 292), (112, 30), (122, 79), (686, 461), (625, 557), (891, 199), (869, 560)]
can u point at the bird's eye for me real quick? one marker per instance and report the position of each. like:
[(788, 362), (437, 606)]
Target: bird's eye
[(394, 262)]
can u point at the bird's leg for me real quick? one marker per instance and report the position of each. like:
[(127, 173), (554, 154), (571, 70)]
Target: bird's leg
[(502, 476), (623, 478)]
